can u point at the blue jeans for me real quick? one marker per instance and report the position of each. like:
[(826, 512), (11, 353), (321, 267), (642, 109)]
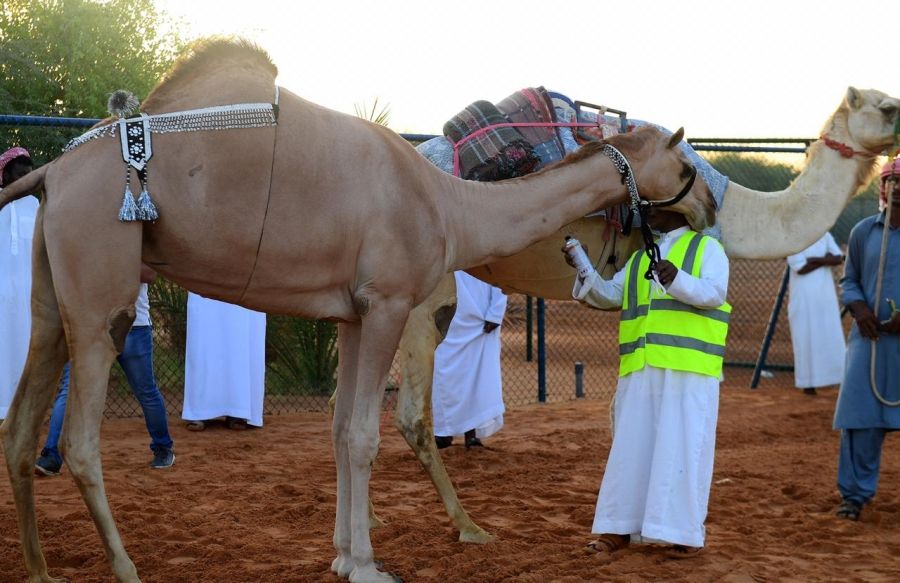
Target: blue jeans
[(136, 361), (859, 463)]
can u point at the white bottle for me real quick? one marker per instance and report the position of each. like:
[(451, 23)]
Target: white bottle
[(579, 257)]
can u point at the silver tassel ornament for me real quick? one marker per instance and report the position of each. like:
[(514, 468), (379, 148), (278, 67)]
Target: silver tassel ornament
[(146, 210), (129, 210)]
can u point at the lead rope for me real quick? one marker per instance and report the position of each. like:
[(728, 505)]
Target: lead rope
[(882, 259)]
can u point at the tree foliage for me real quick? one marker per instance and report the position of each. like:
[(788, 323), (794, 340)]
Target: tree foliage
[(64, 58)]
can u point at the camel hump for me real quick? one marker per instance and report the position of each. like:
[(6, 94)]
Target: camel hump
[(28, 184)]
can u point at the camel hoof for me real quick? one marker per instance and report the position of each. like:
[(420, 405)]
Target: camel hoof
[(342, 566), (45, 579), (476, 536), (370, 574)]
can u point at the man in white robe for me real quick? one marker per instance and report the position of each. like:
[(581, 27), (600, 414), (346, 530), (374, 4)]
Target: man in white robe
[(16, 232), (815, 317), (225, 364), (659, 471), (467, 392)]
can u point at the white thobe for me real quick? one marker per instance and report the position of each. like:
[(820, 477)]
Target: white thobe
[(658, 474), (467, 391), (815, 320), (225, 362), (16, 232)]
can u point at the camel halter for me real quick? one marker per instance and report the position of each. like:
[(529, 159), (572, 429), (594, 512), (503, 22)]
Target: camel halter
[(843, 149), (642, 207), (137, 147)]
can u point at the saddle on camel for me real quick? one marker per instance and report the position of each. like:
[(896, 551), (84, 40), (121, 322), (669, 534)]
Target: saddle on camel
[(266, 200)]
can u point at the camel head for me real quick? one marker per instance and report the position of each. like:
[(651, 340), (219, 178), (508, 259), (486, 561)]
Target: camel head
[(662, 170), (868, 116)]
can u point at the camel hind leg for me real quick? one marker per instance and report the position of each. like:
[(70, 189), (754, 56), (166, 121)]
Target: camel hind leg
[(97, 304), (426, 327), (47, 355)]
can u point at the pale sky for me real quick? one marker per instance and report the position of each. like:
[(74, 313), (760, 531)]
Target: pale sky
[(720, 68)]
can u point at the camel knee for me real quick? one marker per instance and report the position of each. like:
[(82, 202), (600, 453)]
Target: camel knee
[(119, 323), (80, 458), (363, 449)]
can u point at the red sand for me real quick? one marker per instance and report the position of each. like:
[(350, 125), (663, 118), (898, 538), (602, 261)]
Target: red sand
[(259, 505)]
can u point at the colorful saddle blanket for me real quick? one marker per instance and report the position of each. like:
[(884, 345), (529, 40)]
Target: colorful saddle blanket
[(533, 105), (494, 154)]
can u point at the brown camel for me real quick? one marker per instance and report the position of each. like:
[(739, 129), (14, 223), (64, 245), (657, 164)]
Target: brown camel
[(323, 216), (755, 225)]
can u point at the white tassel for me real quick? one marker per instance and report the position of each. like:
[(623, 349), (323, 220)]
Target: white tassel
[(146, 210), (129, 209)]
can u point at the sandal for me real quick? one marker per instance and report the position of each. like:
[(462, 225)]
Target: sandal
[(236, 423), (196, 426), (472, 440), (849, 510), (609, 543), (681, 551)]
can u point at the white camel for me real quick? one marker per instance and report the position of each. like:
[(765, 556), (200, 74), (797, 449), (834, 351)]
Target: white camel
[(754, 225)]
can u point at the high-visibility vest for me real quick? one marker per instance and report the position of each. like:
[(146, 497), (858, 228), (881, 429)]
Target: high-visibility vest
[(664, 332)]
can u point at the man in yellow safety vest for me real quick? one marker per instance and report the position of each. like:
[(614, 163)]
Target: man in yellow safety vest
[(671, 346)]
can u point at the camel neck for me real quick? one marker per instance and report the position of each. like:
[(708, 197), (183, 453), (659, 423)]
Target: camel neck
[(487, 221)]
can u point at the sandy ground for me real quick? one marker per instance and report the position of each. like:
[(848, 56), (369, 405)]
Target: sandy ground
[(259, 505)]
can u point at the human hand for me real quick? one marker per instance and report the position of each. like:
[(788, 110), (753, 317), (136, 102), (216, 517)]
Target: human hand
[(569, 261), (666, 272), (812, 264), (490, 326), (865, 319)]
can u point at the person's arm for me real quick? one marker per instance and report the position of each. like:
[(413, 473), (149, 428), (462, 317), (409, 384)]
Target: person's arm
[(494, 315), (598, 292), (707, 291), (148, 274), (852, 294), (595, 291)]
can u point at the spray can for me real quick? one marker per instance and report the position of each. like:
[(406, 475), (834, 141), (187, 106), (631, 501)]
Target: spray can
[(579, 257)]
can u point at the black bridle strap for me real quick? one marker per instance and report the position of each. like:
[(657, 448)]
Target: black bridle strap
[(677, 197)]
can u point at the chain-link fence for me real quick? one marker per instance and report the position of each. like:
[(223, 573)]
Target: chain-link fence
[(301, 355)]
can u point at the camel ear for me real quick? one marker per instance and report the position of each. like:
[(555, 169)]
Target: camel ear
[(676, 138), (854, 98)]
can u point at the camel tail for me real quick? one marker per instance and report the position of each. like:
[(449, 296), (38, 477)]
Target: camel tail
[(28, 184)]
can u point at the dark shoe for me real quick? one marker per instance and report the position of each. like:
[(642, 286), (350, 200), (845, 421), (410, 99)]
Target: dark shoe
[(849, 510), (236, 423), (810, 392), (48, 464), (681, 551), (443, 441), (163, 457), (471, 440)]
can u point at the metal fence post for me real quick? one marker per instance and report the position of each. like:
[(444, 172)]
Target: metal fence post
[(542, 353), (579, 380), (529, 331), (770, 329)]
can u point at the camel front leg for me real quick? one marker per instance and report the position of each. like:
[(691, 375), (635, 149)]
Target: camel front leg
[(80, 444), (426, 327), (47, 355), (342, 412), (379, 336)]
